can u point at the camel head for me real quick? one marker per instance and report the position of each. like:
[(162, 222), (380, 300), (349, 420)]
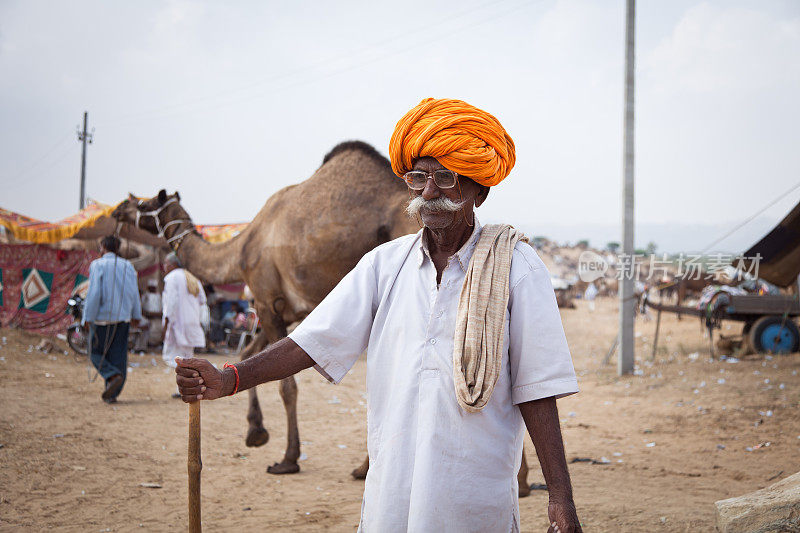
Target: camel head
[(151, 214)]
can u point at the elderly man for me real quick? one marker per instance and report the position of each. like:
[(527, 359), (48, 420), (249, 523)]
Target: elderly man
[(464, 343), (111, 303), (182, 301)]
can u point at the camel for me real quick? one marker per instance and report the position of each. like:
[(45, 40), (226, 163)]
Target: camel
[(298, 247)]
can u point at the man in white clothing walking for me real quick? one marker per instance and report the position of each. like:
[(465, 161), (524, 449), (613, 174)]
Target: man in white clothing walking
[(182, 301)]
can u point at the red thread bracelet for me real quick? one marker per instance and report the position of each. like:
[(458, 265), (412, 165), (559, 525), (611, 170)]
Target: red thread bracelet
[(236, 372)]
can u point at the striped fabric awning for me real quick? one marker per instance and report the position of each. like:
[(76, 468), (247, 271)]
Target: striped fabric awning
[(29, 229), (41, 232), (220, 232)]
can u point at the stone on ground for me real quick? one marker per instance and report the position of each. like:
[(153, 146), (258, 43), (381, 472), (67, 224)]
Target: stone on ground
[(774, 508)]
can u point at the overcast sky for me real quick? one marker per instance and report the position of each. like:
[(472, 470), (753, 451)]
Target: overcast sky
[(229, 102)]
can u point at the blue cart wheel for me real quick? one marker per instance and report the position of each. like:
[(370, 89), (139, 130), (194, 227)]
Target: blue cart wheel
[(773, 334)]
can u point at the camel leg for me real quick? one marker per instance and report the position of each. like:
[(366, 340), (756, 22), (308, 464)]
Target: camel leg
[(522, 477), (361, 471), (273, 329), (257, 435), (288, 389)]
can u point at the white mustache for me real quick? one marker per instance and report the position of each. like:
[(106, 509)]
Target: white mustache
[(438, 205)]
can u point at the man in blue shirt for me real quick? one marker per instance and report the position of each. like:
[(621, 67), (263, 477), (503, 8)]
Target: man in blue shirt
[(111, 303)]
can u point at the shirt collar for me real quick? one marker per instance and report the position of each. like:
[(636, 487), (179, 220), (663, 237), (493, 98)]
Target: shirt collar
[(462, 256), (109, 255)]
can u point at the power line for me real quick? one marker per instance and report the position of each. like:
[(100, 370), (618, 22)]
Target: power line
[(41, 172), (246, 98), (273, 79), (750, 218), (39, 159)]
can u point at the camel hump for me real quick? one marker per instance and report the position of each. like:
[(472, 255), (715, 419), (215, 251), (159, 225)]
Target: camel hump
[(359, 146)]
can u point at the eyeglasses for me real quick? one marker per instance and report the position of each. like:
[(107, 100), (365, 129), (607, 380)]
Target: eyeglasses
[(443, 178)]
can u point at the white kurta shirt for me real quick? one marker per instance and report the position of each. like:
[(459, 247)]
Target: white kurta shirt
[(434, 466), (183, 311)]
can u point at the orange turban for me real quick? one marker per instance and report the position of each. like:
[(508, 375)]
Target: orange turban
[(461, 137)]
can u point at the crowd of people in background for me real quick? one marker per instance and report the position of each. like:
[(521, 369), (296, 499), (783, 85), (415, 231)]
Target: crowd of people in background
[(222, 321), (183, 318)]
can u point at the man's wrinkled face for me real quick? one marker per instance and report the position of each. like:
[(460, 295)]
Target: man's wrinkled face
[(442, 208)]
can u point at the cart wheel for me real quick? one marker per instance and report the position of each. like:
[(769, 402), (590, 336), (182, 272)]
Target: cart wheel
[(773, 334)]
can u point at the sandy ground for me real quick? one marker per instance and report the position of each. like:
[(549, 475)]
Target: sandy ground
[(72, 463)]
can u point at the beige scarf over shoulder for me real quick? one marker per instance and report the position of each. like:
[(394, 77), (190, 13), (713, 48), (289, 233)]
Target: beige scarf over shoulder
[(478, 343), (192, 283)]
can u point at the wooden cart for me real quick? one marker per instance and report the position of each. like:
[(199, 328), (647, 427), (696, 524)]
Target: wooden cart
[(769, 320)]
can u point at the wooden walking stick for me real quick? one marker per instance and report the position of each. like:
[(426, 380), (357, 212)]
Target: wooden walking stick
[(195, 466)]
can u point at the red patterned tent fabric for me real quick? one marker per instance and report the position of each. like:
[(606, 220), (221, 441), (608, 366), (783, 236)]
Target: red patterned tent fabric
[(35, 283)]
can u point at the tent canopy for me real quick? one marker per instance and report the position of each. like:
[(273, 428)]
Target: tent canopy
[(37, 231), (95, 221), (220, 232), (780, 252)]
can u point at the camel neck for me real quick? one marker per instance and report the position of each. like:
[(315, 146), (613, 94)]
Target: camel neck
[(212, 263)]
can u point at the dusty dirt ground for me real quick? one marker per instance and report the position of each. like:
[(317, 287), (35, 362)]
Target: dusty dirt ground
[(72, 463)]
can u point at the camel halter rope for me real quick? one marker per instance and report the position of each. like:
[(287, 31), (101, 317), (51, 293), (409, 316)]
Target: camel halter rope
[(162, 229)]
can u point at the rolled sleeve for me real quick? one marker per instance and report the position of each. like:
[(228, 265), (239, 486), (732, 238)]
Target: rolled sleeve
[(539, 357), (337, 331)]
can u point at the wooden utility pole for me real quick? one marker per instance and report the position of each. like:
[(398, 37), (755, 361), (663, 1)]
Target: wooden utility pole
[(195, 464), (84, 137), (627, 300)]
